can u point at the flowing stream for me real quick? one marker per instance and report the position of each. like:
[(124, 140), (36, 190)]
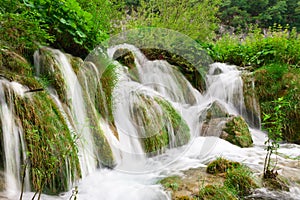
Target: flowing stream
[(136, 172)]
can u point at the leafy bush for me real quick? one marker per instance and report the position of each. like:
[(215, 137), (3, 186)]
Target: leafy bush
[(256, 49), (194, 18), (21, 32), (74, 26)]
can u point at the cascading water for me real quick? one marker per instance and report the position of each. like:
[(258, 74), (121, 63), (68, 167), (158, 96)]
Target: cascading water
[(151, 101), (12, 145), (77, 110)]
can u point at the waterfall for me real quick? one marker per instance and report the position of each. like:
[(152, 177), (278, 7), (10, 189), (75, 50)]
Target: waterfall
[(76, 108), (161, 124), (12, 144)]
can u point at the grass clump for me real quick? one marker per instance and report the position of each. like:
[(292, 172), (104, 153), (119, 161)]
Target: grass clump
[(171, 182), (213, 192), (238, 182)]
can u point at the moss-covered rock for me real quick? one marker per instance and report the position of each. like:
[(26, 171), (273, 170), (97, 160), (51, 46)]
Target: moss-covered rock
[(236, 131), (171, 182), (48, 70), (125, 57), (13, 62), (280, 80), (159, 124), (216, 110), (51, 147), (221, 165)]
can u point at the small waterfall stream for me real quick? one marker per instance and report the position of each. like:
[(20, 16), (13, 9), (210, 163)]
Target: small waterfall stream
[(159, 99), (12, 143)]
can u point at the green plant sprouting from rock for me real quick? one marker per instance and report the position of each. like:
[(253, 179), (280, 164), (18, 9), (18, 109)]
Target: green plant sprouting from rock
[(273, 124)]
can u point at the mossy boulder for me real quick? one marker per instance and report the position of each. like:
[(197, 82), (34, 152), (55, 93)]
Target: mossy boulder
[(159, 125), (221, 166), (236, 131), (52, 151), (172, 182), (216, 110), (49, 72), (13, 62), (125, 57), (280, 80)]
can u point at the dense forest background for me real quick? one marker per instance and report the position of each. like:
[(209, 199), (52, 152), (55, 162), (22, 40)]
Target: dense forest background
[(77, 26), (261, 35)]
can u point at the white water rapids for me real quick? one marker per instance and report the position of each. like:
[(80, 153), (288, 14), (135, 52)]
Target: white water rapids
[(135, 175)]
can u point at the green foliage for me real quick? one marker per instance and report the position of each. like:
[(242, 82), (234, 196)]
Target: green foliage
[(264, 13), (280, 80), (74, 26), (256, 50), (273, 123), (193, 18), (22, 32), (238, 182)]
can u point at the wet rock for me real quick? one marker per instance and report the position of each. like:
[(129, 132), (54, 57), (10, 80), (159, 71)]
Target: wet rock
[(236, 131), (216, 110), (125, 57), (252, 108), (221, 165)]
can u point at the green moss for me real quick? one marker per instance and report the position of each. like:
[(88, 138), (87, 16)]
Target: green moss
[(181, 129), (239, 181), (155, 118), (171, 182), (251, 100), (221, 165), (90, 83), (237, 132), (50, 73), (125, 57), (13, 62), (52, 150), (108, 80), (275, 81), (76, 63)]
